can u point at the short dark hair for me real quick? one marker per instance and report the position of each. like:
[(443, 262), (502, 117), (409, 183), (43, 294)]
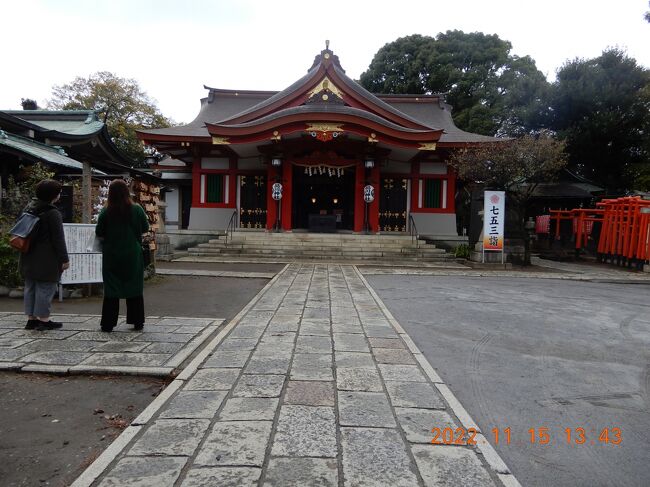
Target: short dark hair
[(48, 189)]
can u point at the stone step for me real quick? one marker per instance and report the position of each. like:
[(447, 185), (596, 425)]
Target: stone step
[(321, 258), (326, 250), (311, 246), (314, 254), (325, 242), (320, 246)]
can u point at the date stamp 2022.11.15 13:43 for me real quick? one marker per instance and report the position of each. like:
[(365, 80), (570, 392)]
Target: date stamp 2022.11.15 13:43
[(541, 435)]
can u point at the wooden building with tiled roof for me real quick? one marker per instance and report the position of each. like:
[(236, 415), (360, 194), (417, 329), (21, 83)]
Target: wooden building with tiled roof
[(307, 156), (72, 142)]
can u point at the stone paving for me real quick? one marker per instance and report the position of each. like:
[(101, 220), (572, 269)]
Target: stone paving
[(556, 270), (80, 347), (312, 384)]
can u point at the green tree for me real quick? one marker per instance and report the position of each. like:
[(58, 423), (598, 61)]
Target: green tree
[(516, 166), (601, 108), (491, 90), (123, 105)]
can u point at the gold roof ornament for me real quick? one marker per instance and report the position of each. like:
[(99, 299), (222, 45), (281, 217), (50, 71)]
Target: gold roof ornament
[(324, 127), (220, 140), (324, 131), (427, 146), (326, 84)]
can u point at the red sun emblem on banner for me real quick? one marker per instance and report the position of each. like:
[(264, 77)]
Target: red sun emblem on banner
[(494, 199)]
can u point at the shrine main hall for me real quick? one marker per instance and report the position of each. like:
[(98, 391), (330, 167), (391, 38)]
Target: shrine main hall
[(324, 154)]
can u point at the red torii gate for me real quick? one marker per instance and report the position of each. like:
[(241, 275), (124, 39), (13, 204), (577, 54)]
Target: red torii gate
[(625, 232)]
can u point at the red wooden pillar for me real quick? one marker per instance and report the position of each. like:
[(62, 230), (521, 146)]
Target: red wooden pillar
[(232, 183), (271, 205), (359, 204), (287, 199), (451, 190), (415, 187), (373, 210), (196, 182)]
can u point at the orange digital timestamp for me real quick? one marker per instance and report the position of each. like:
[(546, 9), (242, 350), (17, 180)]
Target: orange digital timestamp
[(535, 436)]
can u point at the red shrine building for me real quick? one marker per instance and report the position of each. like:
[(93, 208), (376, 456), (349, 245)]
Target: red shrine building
[(323, 155)]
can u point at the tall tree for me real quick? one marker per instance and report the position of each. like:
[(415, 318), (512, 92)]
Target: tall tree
[(123, 105), (491, 90), (29, 104), (516, 166), (601, 108)]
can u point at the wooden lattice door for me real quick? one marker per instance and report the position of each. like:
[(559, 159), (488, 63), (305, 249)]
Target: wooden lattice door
[(392, 204), (252, 198)]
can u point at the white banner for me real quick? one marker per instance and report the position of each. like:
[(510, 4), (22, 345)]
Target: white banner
[(494, 210)]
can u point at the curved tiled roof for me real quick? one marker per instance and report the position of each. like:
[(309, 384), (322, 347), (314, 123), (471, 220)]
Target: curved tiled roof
[(37, 151), (81, 123), (439, 115), (324, 108), (361, 91), (231, 108), (293, 88)]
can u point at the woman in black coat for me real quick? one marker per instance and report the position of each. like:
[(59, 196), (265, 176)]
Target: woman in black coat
[(47, 258)]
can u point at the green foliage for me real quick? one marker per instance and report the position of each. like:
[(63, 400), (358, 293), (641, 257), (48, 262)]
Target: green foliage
[(490, 90), (462, 251), (21, 189), (515, 166), (601, 108), (9, 275), (123, 105)]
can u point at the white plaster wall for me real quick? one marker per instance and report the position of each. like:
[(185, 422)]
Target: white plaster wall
[(210, 218), (215, 163), (172, 213), (396, 167), (251, 163), (435, 224)]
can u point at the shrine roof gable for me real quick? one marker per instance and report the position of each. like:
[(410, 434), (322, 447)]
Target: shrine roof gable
[(325, 83)]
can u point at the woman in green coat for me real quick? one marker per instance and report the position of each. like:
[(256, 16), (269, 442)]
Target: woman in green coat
[(120, 227)]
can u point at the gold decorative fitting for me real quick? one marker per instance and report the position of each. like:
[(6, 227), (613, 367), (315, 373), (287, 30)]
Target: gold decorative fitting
[(327, 55), (325, 97), (276, 135), (220, 140), (324, 127), (373, 138), (427, 146), (324, 131), (326, 84)]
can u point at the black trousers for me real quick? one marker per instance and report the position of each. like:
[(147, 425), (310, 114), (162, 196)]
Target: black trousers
[(111, 309)]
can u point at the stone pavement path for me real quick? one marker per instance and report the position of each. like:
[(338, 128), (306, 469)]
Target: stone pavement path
[(80, 347), (556, 270), (315, 384)]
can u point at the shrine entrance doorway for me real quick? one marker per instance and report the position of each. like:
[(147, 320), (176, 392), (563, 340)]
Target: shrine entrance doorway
[(323, 198)]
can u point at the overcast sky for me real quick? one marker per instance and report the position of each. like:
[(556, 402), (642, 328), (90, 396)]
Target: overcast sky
[(173, 48)]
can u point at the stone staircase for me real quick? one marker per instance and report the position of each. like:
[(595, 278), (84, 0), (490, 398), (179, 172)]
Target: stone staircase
[(320, 246)]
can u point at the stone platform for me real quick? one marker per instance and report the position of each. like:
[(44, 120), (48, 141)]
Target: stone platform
[(80, 347)]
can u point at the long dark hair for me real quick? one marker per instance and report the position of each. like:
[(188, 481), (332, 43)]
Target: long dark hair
[(119, 200)]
